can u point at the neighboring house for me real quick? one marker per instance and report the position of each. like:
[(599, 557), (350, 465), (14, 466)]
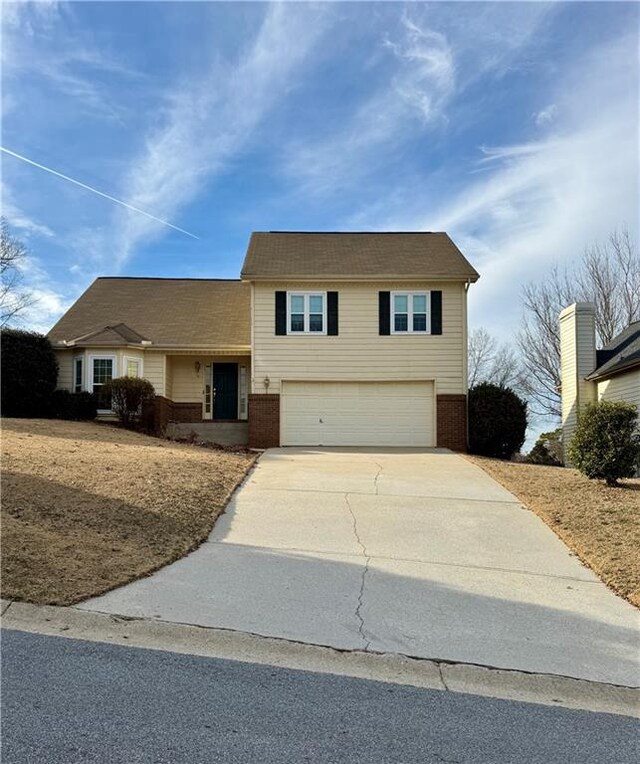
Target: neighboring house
[(587, 374), (333, 339)]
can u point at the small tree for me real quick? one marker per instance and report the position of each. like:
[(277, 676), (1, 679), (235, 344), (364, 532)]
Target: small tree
[(13, 255), (497, 421), (29, 373), (129, 396), (547, 449), (606, 443)]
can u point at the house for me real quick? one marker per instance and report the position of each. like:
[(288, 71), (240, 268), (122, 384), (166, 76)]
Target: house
[(333, 339), (587, 374)]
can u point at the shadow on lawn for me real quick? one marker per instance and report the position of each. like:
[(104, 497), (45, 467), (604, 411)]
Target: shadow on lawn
[(62, 544)]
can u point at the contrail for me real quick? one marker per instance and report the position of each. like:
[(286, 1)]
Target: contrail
[(95, 191)]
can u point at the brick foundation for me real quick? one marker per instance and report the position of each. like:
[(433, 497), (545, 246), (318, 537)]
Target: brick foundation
[(452, 422), (264, 420), (166, 410)]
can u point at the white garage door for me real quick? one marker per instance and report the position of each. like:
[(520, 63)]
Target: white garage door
[(357, 414)]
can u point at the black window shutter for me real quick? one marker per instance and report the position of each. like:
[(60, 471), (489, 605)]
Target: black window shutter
[(332, 314), (281, 312), (436, 312), (384, 312)]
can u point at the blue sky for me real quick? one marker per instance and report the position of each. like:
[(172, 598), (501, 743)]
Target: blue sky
[(514, 127)]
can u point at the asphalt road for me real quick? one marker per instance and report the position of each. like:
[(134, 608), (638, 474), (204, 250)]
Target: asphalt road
[(66, 701)]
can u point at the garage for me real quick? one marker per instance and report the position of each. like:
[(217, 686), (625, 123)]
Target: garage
[(357, 414)]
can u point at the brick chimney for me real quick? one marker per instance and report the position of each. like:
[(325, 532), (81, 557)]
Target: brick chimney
[(577, 359)]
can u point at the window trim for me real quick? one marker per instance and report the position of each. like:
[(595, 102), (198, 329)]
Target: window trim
[(410, 296), (133, 358), (114, 373), (306, 332), (78, 359)]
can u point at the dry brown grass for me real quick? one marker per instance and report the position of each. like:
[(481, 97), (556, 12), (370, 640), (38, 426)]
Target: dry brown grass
[(88, 507), (601, 524)]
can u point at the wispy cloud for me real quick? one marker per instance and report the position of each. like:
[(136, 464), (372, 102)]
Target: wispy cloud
[(211, 119), (93, 190), (412, 96), (546, 116), (17, 218), (72, 65)]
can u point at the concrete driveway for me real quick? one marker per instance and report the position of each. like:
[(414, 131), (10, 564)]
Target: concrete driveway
[(405, 551)]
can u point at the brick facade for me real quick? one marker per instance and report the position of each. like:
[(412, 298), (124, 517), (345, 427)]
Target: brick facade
[(264, 420), (452, 422)]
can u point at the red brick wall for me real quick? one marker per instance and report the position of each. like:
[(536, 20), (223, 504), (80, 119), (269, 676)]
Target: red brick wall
[(452, 422), (186, 412), (264, 420)]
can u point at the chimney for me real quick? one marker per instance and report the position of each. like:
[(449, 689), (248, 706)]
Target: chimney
[(577, 359)]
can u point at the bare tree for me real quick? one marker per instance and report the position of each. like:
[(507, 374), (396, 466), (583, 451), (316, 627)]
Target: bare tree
[(13, 298), (490, 361), (607, 275)]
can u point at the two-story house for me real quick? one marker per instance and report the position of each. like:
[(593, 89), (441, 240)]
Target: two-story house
[(328, 339)]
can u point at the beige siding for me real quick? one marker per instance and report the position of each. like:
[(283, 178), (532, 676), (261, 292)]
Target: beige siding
[(622, 387), (153, 370), (65, 369), (185, 383), (577, 360), (359, 352)]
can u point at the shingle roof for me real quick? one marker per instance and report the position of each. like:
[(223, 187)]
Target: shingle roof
[(167, 312), (279, 254), (120, 334), (623, 352)]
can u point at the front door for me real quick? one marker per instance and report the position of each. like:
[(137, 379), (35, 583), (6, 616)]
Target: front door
[(225, 390)]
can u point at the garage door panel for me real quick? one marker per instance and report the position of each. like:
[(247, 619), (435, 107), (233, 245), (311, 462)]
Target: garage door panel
[(357, 413)]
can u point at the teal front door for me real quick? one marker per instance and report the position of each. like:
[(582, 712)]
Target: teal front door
[(225, 390)]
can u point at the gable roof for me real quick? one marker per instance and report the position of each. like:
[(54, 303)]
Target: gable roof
[(121, 334), (622, 353), (161, 312), (294, 254)]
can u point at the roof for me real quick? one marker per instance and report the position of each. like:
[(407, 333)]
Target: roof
[(160, 312), (312, 255), (622, 353)]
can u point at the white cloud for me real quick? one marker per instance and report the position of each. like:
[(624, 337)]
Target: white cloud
[(412, 98), (16, 218), (61, 57), (546, 116), (540, 201), (209, 121)]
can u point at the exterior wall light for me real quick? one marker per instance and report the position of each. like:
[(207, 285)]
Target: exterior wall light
[(266, 382)]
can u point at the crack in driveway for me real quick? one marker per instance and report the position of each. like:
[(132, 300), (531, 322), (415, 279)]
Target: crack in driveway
[(365, 570), (378, 473)]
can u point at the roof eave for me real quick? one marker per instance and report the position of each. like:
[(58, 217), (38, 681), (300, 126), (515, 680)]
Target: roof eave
[(355, 277), (598, 376)]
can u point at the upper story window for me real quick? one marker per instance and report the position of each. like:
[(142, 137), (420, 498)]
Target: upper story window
[(307, 312), (410, 313)]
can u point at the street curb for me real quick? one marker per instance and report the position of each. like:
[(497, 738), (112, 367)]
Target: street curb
[(545, 689)]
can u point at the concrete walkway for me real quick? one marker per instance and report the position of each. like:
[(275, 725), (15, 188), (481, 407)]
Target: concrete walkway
[(404, 551)]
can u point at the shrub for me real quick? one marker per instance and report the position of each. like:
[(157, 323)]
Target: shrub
[(547, 449), (606, 444), (130, 396), (29, 373), (74, 406), (497, 421)]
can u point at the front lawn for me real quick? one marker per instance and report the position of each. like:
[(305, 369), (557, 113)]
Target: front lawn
[(88, 507), (599, 523)]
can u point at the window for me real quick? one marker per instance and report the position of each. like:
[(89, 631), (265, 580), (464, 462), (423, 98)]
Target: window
[(77, 375), (102, 370), (132, 368), (410, 313), (307, 313)]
